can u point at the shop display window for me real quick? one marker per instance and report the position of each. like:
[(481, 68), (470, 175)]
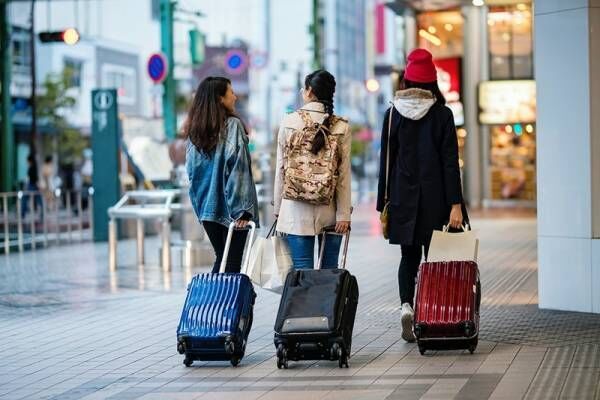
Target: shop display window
[(441, 33), (512, 162), (510, 42)]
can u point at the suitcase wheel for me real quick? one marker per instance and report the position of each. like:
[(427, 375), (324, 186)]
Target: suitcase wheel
[(282, 360), (422, 349), (473, 346), (229, 346), (337, 352), (235, 361), (180, 348), (188, 362)]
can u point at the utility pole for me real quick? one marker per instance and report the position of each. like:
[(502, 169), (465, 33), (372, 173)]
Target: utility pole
[(33, 80), (315, 30), (167, 8), (7, 145)]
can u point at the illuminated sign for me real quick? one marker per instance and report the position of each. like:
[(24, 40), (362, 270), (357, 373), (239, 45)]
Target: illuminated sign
[(507, 102), (448, 74)]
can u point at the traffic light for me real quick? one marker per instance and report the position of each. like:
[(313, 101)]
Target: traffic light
[(68, 36)]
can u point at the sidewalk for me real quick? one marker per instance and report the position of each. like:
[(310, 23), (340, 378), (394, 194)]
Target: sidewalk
[(69, 329)]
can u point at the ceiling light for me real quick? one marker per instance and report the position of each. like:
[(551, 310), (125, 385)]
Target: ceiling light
[(449, 27), (431, 38), (478, 3), (521, 7), (432, 30)]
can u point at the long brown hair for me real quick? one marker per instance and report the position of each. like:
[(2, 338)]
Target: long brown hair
[(207, 116)]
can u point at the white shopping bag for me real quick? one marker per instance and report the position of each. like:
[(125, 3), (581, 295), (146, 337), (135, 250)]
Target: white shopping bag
[(270, 262), (455, 246)]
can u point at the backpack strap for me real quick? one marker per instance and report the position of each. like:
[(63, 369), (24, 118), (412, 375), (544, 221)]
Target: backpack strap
[(305, 117)]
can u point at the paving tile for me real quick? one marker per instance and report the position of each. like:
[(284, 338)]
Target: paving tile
[(112, 335)]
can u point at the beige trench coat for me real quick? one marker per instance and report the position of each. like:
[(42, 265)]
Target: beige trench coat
[(301, 218)]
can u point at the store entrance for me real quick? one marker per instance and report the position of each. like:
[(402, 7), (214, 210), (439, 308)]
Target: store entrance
[(512, 164)]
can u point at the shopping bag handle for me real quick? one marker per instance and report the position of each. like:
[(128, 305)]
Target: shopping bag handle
[(465, 227), (272, 230), (246, 259), (331, 231)]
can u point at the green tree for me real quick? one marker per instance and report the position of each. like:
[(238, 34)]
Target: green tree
[(52, 106)]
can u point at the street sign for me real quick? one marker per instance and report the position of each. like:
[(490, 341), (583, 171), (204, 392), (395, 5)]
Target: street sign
[(259, 59), (236, 62), (197, 46), (158, 67), (106, 154)]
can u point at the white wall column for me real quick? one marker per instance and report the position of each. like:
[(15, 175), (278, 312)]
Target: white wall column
[(475, 69), (567, 70)]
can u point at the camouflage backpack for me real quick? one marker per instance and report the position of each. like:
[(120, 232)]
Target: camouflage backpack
[(311, 177)]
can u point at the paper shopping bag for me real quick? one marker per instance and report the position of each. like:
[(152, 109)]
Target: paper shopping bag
[(453, 246)]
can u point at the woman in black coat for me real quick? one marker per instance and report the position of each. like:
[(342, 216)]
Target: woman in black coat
[(423, 179)]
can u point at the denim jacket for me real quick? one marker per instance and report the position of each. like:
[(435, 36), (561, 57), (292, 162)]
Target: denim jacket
[(221, 184)]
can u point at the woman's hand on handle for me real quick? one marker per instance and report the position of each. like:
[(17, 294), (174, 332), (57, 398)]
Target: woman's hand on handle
[(342, 226), (456, 216), (241, 223)]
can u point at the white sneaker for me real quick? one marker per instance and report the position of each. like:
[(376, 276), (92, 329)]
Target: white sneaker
[(407, 315)]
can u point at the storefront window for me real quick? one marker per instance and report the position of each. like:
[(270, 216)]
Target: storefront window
[(441, 33), (510, 42), (512, 162)]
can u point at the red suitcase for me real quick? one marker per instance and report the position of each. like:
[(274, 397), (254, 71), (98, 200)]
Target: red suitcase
[(447, 306)]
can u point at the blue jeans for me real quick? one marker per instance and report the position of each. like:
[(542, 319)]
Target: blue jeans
[(302, 249)]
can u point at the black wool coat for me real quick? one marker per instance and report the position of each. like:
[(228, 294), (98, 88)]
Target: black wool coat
[(424, 176)]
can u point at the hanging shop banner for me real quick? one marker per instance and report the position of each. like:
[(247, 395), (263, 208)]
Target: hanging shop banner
[(507, 102), (449, 73)]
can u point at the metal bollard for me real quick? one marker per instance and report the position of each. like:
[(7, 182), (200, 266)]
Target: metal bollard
[(166, 245), (45, 221), (57, 194), (91, 211), (6, 222), (19, 221), (69, 218), (112, 245), (32, 220), (140, 241), (80, 215)]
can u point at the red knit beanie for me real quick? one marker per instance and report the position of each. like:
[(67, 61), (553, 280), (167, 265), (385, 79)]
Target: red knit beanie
[(419, 67)]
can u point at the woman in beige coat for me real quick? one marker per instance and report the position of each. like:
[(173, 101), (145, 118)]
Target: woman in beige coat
[(301, 220)]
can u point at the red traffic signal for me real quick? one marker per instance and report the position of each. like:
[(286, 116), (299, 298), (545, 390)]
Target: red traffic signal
[(68, 36)]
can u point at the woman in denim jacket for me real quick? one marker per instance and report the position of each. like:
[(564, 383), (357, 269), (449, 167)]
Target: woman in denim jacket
[(218, 164)]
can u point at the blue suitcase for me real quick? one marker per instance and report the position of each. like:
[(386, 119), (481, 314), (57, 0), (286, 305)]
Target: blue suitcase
[(217, 314)]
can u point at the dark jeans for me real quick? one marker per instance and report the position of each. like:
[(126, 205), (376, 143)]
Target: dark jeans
[(302, 249), (407, 272), (217, 234)]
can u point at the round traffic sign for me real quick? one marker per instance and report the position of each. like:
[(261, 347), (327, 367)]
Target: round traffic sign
[(158, 67), (236, 62)]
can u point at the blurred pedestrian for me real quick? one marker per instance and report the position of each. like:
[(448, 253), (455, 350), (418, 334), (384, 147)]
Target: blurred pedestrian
[(47, 182), (218, 164), (419, 178), (312, 175), (31, 186)]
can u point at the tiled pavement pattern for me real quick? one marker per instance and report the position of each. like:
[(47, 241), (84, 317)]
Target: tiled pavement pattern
[(71, 330)]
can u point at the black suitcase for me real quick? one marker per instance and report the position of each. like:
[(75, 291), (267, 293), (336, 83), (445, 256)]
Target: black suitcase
[(316, 314)]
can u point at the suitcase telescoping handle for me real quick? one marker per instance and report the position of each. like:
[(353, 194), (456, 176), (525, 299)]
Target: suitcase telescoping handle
[(246, 259), (331, 231)]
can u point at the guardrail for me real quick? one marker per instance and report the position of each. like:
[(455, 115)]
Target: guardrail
[(32, 219)]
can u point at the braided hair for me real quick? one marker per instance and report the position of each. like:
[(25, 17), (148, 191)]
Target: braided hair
[(322, 84)]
